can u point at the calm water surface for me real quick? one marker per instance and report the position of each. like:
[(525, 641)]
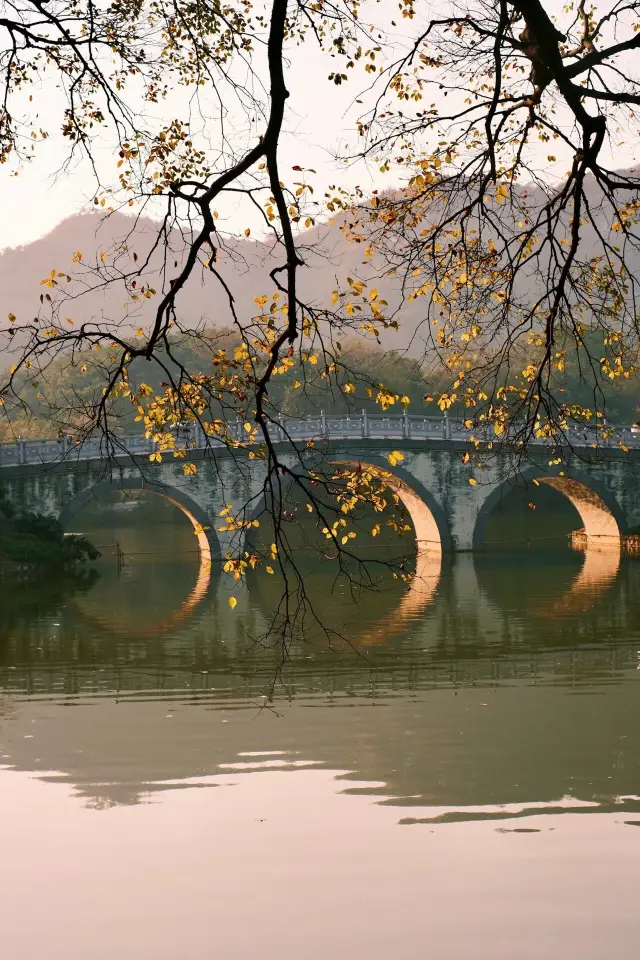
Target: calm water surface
[(462, 781)]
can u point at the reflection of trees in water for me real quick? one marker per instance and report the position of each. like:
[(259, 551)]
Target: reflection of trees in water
[(25, 603), (477, 744)]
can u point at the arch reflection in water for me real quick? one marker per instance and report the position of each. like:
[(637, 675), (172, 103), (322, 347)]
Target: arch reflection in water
[(348, 599), (161, 626), (599, 571), (161, 576), (413, 605), (513, 733), (548, 585)]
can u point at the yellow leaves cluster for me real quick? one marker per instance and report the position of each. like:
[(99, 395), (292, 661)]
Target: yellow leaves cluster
[(52, 280)]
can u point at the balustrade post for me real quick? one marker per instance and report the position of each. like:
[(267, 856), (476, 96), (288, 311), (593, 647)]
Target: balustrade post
[(447, 427), (405, 424), (323, 424), (22, 451), (365, 425), (280, 429)]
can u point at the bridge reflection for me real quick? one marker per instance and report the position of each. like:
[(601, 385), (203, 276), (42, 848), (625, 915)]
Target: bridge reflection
[(472, 693), (481, 606), (154, 627)]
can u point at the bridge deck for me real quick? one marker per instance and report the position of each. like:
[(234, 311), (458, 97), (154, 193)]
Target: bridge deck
[(364, 426)]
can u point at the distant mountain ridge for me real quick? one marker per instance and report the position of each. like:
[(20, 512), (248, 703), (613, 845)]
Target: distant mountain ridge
[(245, 264)]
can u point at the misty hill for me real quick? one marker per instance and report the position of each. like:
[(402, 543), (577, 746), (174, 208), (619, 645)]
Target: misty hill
[(243, 263)]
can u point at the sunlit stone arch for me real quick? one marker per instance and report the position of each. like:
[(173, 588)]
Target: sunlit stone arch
[(428, 519), (431, 535), (202, 524), (601, 515)]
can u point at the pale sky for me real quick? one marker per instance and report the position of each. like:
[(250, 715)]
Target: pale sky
[(316, 128), (319, 122)]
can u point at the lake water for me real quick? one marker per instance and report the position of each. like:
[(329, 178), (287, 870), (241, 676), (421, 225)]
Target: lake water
[(461, 780)]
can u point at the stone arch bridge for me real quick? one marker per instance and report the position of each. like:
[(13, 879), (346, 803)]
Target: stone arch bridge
[(602, 481)]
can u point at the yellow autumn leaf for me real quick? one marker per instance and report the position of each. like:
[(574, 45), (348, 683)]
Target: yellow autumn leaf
[(189, 469), (269, 569), (395, 457), (473, 481), (12, 317), (232, 602)]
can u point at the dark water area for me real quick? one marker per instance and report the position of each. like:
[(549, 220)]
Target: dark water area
[(461, 778)]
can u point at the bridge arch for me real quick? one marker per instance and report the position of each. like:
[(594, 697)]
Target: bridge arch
[(201, 522), (427, 516), (602, 518)]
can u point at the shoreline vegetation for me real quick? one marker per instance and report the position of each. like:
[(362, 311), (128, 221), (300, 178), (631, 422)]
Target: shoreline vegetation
[(31, 543)]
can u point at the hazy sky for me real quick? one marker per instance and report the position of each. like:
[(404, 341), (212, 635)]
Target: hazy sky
[(320, 121), (316, 127)]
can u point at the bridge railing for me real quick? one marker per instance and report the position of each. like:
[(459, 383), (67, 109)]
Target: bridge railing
[(316, 427)]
